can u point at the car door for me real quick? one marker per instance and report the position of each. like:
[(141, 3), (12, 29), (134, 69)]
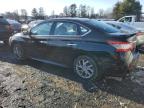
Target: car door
[(64, 42), (38, 43)]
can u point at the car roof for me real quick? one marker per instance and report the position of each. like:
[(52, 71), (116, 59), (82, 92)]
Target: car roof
[(70, 19)]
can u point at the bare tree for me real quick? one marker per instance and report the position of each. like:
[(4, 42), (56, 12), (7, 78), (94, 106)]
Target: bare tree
[(24, 14), (88, 8), (41, 13), (72, 9), (53, 13), (16, 15), (9, 15), (101, 13), (92, 13), (66, 11), (35, 13), (82, 11)]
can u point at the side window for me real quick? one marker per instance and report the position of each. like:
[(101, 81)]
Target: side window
[(42, 29), (128, 19), (65, 29), (83, 30), (122, 20)]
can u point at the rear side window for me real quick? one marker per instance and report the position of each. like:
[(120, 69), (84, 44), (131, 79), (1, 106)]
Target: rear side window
[(83, 30), (65, 29), (104, 27)]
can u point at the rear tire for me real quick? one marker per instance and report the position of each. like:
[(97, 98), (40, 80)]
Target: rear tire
[(86, 68), (18, 51)]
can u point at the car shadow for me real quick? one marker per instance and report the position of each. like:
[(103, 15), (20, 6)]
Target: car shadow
[(125, 88)]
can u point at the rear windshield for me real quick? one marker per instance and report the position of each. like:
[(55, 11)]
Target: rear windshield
[(103, 26)]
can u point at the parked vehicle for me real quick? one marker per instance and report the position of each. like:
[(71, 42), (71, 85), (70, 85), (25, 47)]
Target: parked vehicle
[(132, 20), (15, 25), (31, 24), (5, 30), (129, 29), (34, 23), (92, 48)]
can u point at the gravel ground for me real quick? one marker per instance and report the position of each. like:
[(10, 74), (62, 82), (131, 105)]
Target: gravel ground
[(32, 84)]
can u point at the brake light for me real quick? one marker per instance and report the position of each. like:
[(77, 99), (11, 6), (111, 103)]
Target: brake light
[(139, 34), (122, 46)]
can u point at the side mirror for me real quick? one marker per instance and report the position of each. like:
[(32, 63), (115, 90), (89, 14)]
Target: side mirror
[(25, 29)]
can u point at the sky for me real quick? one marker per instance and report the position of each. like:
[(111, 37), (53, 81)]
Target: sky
[(56, 5)]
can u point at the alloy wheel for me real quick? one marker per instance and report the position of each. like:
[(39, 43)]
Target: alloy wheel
[(85, 68), (17, 50)]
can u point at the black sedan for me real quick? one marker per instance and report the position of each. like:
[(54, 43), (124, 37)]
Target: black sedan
[(92, 48)]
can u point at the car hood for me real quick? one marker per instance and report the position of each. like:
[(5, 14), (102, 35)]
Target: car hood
[(18, 34)]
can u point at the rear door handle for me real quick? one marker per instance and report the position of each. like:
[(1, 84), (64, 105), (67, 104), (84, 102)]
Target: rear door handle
[(71, 44), (43, 42)]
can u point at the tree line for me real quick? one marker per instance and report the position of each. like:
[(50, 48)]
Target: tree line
[(23, 14), (121, 8), (82, 11), (127, 7)]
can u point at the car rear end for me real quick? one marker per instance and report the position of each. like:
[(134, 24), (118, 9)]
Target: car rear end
[(121, 49), (5, 30), (129, 29), (126, 55)]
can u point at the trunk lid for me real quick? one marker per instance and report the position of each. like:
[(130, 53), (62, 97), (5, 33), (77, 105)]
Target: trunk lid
[(124, 41)]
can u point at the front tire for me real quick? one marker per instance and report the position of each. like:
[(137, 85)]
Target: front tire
[(86, 68), (18, 51)]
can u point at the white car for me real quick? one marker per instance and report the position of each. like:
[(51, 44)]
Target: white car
[(132, 20)]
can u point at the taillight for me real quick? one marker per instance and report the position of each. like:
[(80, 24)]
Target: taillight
[(122, 46), (140, 34)]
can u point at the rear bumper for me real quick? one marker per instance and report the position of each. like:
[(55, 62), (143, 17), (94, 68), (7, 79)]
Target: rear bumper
[(121, 65)]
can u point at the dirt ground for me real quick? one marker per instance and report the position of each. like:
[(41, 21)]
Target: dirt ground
[(32, 84)]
